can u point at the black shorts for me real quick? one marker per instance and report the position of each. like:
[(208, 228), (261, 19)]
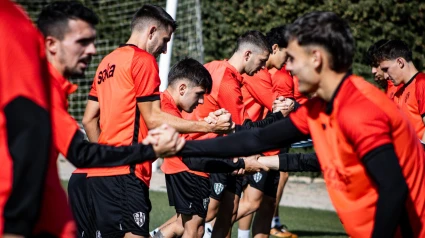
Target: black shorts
[(225, 181), (266, 182), (81, 205), (121, 205), (188, 193)]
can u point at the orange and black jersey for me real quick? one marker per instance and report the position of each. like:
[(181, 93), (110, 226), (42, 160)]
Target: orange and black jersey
[(362, 168), (411, 99), (225, 93), (126, 76), (25, 129), (282, 81), (258, 94)]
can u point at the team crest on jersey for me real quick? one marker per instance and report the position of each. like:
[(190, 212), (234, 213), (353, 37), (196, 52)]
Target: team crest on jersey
[(257, 177), (206, 201), (218, 188), (98, 235), (139, 218)]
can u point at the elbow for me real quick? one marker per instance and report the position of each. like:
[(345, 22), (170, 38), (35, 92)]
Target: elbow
[(154, 120), (86, 122)]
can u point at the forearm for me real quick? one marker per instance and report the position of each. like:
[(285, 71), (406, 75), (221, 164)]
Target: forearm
[(270, 118), (298, 162), (245, 143), (29, 144), (85, 154), (92, 130), (184, 126), (213, 165), (384, 169)]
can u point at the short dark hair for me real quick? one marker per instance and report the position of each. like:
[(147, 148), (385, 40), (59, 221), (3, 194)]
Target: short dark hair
[(255, 38), (193, 71), (392, 50), (53, 18), (328, 30), (277, 36), (370, 56), (149, 12)]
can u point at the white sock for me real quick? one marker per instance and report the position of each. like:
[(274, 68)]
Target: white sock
[(276, 222), (243, 233), (207, 230), (152, 233)]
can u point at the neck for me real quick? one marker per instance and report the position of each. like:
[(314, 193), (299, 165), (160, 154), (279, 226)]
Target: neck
[(329, 82), (137, 40), (269, 64), (237, 61), (58, 66), (409, 72), (175, 96)]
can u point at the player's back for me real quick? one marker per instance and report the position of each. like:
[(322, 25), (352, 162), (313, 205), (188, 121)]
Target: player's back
[(126, 76)]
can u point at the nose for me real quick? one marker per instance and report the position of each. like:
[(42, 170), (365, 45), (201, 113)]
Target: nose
[(91, 49)]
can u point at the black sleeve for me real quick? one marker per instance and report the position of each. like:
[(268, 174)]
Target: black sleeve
[(82, 153), (299, 162), (213, 165), (269, 119), (296, 105), (245, 143), (30, 144), (383, 167)]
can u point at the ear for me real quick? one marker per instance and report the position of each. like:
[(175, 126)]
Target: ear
[(182, 89), (152, 30), (317, 58), (52, 45), (400, 62), (275, 48), (247, 54)]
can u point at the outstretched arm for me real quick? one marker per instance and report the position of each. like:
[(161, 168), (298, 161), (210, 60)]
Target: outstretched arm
[(245, 143)]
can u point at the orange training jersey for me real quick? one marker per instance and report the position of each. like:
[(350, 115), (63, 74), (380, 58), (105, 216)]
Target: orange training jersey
[(258, 94), (174, 164), (125, 77), (299, 97), (391, 89), (359, 119), (225, 93), (283, 83), (410, 98)]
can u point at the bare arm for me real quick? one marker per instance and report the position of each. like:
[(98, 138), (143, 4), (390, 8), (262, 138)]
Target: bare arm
[(154, 117), (91, 120)]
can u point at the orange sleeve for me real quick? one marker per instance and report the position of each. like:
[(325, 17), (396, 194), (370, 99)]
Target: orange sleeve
[(261, 89), (64, 128), (299, 119), (420, 95), (93, 92), (144, 70), (24, 70), (283, 84), (365, 126), (230, 98)]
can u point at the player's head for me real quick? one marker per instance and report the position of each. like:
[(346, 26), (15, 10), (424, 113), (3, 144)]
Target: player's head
[(155, 24), (254, 49), (393, 57), (69, 32), (370, 56), (277, 40), (318, 42), (189, 80)]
